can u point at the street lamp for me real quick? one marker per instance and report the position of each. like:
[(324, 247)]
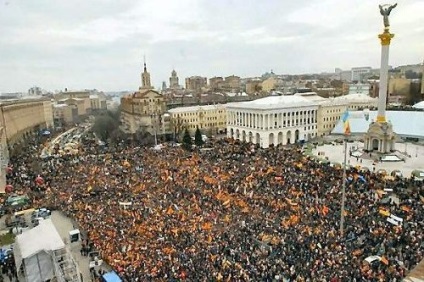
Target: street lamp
[(153, 118), (177, 124)]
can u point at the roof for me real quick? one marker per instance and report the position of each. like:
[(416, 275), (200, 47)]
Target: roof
[(419, 105), (357, 98), (275, 102), (111, 277), (67, 99), (60, 105), (197, 108), (142, 92), (312, 96), (43, 237), (405, 123), (94, 96)]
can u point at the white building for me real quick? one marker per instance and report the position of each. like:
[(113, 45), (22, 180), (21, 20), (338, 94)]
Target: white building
[(358, 101), (357, 73), (359, 88), (273, 120)]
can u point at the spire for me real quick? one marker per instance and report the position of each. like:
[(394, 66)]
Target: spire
[(145, 77), (145, 67)]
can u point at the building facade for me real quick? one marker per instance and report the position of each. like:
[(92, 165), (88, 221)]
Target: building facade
[(174, 81), (64, 114), (98, 102), (22, 117), (233, 83), (273, 120), (216, 83), (269, 84), (253, 86), (329, 111), (143, 111), (196, 83), (79, 95), (359, 72), (210, 119), (359, 88)]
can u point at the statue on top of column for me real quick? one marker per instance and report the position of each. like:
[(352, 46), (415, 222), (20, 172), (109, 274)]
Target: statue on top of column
[(385, 12)]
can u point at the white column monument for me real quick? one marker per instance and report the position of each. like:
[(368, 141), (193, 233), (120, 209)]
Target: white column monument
[(380, 137)]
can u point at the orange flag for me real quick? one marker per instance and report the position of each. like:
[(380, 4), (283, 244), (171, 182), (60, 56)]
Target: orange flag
[(384, 260)]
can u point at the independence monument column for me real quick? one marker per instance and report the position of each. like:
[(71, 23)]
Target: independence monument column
[(380, 136)]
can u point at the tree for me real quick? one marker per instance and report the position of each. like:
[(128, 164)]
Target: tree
[(198, 140), (187, 140), (104, 126)]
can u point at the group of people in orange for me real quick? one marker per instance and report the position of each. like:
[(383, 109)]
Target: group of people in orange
[(234, 212)]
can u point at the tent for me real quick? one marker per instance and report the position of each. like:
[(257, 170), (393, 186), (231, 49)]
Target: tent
[(111, 277), (34, 249)]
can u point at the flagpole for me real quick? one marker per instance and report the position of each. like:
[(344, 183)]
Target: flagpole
[(342, 210)]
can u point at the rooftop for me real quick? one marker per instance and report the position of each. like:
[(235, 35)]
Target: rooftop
[(275, 102), (198, 108), (357, 97), (405, 123)]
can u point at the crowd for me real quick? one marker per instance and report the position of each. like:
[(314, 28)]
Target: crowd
[(235, 212)]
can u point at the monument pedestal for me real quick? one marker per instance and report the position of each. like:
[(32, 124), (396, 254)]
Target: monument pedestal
[(380, 138)]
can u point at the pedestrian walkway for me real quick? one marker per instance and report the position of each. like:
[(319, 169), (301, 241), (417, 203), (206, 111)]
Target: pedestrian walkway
[(414, 160)]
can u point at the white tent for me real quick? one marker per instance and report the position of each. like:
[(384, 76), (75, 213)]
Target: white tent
[(34, 248)]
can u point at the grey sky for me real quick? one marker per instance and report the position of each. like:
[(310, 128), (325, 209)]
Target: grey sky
[(100, 43)]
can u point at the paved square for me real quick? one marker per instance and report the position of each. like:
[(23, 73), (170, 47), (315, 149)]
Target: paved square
[(414, 160)]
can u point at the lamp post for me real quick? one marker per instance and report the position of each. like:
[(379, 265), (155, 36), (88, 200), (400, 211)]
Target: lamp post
[(342, 210), (153, 118), (176, 125)]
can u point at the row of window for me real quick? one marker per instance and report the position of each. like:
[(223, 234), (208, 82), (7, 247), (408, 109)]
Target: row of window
[(334, 111), (188, 114), (331, 118), (288, 114)]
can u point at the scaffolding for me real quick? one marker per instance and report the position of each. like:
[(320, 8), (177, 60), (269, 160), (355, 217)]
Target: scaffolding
[(65, 267)]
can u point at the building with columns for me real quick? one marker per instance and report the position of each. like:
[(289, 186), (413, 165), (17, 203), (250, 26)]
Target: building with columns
[(273, 120)]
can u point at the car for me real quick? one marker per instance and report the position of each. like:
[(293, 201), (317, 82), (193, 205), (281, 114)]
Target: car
[(41, 212)]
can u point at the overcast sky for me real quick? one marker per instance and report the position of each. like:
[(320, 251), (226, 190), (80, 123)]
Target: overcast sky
[(100, 43)]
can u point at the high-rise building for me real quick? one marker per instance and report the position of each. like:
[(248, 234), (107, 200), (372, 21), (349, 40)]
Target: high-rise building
[(173, 80), (357, 73)]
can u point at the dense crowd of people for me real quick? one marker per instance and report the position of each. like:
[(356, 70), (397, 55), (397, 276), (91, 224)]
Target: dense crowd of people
[(232, 212)]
